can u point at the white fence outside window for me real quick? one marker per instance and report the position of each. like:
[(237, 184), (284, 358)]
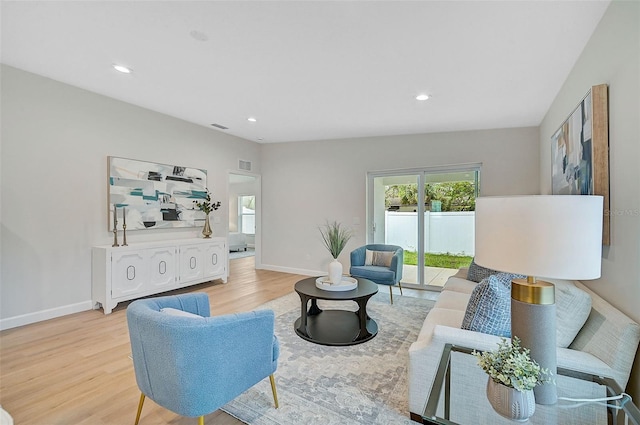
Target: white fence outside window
[(445, 232)]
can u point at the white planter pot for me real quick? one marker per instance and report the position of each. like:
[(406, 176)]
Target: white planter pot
[(509, 402), (335, 271)]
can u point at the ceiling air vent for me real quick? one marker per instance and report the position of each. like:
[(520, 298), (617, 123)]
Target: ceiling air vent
[(221, 127), (244, 165)]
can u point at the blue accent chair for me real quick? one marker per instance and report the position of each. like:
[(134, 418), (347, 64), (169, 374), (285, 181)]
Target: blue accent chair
[(379, 274), (194, 365)]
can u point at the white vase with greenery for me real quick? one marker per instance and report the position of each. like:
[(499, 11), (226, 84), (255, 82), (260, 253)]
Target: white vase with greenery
[(512, 377), (335, 238)]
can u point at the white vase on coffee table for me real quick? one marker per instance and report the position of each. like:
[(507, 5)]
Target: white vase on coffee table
[(335, 271)]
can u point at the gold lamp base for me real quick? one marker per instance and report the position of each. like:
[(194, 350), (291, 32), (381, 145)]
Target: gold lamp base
[(532, 291)]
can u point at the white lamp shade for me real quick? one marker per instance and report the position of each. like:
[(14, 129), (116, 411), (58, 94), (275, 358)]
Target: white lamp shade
[(557, 237)]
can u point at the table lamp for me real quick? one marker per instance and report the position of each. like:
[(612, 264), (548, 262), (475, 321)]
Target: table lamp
[(555, 236)]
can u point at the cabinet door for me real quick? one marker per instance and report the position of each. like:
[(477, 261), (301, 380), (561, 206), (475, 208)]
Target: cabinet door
[(191, 264), (162, 263), (214, 259), (129, 273)]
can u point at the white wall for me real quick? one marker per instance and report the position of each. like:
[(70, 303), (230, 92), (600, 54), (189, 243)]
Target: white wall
[(612, 56), (306, 183), (55, 143)]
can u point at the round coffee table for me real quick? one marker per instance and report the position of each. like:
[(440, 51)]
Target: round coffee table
[(335, 327)]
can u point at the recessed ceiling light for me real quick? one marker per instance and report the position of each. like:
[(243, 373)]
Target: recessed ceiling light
[(252, 119), (122, 68), (422, 97)]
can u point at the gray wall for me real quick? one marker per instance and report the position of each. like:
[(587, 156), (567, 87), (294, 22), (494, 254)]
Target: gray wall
[(304, 184), (55, 143), (612, 56)]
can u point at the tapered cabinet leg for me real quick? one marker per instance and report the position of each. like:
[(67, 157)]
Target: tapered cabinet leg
[(140, 403), (273, 389)]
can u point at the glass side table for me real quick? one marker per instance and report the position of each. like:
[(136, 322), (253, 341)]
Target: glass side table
[(459, 396)]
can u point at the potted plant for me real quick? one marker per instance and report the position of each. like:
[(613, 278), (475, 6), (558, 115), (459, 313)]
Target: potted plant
[(206, 207), (512, 377), (335, 237)]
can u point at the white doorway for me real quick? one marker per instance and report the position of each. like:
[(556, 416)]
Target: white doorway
[(244, 216)]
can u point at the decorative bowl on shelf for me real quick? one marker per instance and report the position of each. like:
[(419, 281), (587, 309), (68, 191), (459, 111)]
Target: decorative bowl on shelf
[(347, 284)]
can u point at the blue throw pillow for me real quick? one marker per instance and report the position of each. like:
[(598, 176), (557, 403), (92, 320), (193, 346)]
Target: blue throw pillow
[(478, 273), (489, 307)]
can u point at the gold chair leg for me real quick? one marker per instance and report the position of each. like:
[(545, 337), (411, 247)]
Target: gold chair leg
[(273, 390), (391, 294), (201, 420), (400, 286), (142, 397)]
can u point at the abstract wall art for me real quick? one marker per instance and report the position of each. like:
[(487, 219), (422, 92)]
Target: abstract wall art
[(580, 152), (154, 195)]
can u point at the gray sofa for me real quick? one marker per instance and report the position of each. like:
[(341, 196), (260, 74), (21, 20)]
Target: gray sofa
[(605, 345)]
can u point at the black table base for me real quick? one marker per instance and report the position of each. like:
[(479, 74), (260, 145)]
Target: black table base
[(335, 327)]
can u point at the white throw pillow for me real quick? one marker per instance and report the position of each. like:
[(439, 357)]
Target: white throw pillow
[(378, 258), (175, 312), (368, 259), (573, 306)]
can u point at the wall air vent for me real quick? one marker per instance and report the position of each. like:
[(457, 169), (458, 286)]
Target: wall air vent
[(221, 127), (244, 165)]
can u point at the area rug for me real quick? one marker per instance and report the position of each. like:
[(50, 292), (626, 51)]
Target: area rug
[(233, 255), (364, 383)]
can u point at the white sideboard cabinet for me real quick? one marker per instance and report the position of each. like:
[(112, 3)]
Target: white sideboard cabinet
[(127, 272)]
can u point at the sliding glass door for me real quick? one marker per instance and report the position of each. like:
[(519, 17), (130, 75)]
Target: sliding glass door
[(430, 213), (395, 217)]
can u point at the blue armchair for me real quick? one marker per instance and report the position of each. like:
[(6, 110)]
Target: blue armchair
[(193, 364), (381, 273)]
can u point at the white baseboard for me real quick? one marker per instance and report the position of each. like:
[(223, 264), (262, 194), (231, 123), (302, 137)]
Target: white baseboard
[(304, 272), (39, 316)]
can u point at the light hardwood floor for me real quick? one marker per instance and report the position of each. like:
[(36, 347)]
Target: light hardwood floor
[(76, 370)]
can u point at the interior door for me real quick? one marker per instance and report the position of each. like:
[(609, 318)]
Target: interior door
[(245, 187)]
